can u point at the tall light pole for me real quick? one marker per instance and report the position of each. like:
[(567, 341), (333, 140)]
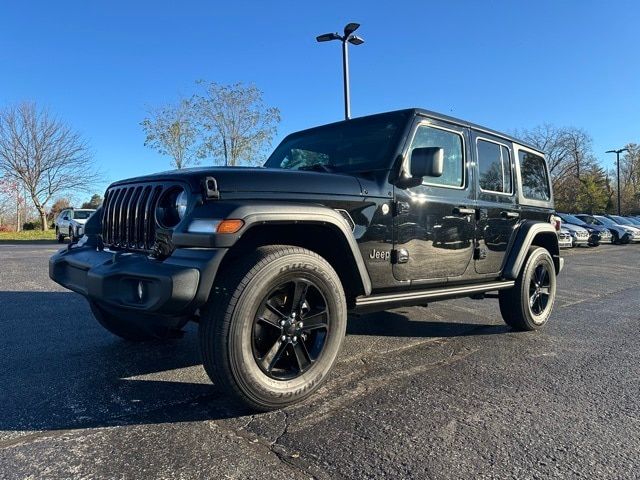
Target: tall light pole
[(347, 38), (618, 152)]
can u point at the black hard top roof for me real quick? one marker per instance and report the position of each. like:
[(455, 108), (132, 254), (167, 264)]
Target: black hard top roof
[(446, 118)]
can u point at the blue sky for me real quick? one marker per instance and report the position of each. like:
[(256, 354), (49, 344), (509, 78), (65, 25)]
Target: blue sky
[(507, 65)]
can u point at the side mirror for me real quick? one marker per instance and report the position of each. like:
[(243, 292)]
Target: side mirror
[(426, 162)]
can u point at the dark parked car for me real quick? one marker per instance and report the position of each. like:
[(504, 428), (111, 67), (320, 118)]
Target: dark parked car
[(596, 233), (268, 261), (619, 235)]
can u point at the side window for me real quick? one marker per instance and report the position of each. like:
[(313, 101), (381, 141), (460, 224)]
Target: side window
[(451, 143), (494, 165), (535, 182)]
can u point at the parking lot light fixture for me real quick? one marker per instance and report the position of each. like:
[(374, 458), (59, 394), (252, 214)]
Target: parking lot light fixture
[(347, 38), (618, 152)]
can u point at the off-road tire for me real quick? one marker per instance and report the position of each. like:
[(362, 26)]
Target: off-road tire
[(515, 302), (130, 331), (227, 325)]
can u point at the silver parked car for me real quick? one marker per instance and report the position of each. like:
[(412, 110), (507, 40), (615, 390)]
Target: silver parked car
[(70, 223), (579, 235)]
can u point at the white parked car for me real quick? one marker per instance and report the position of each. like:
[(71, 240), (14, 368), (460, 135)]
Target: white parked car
[(70, 223), (564, 238)]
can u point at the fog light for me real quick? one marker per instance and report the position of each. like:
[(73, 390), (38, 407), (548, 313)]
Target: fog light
[(140, 290)]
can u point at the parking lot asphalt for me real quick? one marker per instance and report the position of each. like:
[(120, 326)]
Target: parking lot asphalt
[(444, 391)]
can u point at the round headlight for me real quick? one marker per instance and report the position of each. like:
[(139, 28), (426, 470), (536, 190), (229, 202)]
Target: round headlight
[(172, 207), (181, 204)]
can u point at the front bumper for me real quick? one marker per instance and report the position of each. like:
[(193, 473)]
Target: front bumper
[(176, 286)]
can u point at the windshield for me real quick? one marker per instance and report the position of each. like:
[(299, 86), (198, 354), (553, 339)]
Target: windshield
[(570, 219), (82, 214), (635, 221), (362, 144), (620, 220), (607, 221)]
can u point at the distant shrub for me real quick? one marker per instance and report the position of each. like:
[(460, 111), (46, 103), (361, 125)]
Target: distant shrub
[(6, 228), (31, 226)]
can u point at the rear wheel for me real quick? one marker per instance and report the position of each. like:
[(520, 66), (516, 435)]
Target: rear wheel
[(129, 330), (274, 326), (528, 305)]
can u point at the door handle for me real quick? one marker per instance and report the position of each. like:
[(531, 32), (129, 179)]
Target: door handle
[(464, 211), (507, 214)]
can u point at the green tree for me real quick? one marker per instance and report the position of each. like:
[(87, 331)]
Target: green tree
[(59, 205), (593, 196), (94, 202)]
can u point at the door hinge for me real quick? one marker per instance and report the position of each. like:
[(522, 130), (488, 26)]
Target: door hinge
[(400, 208), (399, 256)]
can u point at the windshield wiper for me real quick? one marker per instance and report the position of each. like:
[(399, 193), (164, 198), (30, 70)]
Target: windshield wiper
[(317, 167)]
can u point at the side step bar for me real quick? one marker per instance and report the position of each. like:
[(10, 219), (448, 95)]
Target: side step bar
[(385, 301)]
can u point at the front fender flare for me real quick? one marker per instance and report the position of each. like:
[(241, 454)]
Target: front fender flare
[(260, 213)]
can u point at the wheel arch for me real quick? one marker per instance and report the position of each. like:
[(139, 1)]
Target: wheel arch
[(529, 234), (316, 228)]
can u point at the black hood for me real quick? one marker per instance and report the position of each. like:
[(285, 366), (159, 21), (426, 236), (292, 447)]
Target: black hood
[(268, 180)]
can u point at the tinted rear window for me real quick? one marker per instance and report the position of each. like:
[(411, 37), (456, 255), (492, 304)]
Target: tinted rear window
[(535, 181)]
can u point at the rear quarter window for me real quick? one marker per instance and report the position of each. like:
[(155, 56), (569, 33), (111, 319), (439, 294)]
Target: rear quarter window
[(535, 180)]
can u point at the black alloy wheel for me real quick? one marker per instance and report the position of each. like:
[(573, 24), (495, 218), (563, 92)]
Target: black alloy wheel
[(290, 329), (539, 289)]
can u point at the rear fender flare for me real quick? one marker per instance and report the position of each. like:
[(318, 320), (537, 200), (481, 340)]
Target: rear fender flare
[(531, 233)]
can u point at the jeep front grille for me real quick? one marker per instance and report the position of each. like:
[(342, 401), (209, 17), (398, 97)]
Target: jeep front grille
[(128, 220)]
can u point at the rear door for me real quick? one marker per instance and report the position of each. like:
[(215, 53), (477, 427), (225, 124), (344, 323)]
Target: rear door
[(498, 209), (434, 222)]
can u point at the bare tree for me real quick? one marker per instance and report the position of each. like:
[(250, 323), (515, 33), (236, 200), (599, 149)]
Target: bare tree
[(568, 149), (172, 131), (574, 169), (630, 179), (237, 124), (43, 154), (547, 138)]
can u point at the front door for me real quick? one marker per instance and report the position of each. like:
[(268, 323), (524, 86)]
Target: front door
[(434, 222), (498, 211)]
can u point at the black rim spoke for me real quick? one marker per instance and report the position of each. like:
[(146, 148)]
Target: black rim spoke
[(274, 309), (316, 321), (270, 322), (302, 356), (273, 355), (299, 295)]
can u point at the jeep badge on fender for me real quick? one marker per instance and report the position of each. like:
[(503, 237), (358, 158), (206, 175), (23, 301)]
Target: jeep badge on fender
[(399, 208)]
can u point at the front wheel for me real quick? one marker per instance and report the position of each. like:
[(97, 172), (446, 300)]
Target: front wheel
[(59, 236), (528, 305), (273, 327)]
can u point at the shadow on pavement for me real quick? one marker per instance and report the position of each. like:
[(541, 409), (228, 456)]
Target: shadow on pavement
[(393, 324), (59, 369)]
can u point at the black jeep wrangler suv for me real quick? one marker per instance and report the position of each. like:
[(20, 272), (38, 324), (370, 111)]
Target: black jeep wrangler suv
[(399, 208)]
